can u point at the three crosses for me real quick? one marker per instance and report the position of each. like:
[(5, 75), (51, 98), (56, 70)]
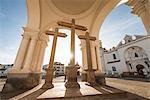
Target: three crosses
[(73, 26)]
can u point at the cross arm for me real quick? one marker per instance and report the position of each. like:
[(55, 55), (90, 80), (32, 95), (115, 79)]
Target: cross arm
[(69, 25), (60, 34), (84, 37)]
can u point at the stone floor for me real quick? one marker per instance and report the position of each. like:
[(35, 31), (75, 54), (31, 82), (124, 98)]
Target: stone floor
[(85, 93), (89, 93)]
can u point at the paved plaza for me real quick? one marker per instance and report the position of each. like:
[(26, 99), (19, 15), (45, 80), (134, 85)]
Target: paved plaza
[(135, 87)]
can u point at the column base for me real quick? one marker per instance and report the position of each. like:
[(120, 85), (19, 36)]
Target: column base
[(48, 86), (72, 78), (90, 76), (84, 76), (69, 84), (49, 79), (21, 82), (100, 78)]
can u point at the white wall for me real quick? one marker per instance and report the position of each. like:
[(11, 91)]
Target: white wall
[(121, 66)]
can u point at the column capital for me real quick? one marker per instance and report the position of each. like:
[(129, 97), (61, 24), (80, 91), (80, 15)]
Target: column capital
[(27, 29), (30, 33)]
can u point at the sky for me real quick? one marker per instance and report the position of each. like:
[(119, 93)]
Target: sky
[(13, 16)]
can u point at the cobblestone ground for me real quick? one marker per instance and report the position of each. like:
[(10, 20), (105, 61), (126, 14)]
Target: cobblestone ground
[(135, 87)]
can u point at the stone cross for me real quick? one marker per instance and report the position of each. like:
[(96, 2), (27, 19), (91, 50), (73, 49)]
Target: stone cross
[(72, 70), (49, 71), (90, 71)]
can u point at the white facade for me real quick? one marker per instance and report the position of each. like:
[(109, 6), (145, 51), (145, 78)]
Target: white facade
[(58, 69), (132, 56), (4, 69)]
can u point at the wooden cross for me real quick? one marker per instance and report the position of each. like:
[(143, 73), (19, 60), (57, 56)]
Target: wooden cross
[(90, 71), (88, 49), (49, 70), (73, 26)]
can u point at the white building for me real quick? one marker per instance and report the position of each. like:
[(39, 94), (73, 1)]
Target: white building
[(4, 69), (58, 68), (130, 57)]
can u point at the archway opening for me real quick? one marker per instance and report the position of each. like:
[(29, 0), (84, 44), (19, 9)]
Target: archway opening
[(119, 28), (119, 22)]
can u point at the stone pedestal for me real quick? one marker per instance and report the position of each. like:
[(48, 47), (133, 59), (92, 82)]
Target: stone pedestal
[(49, 79), (21, 81), (100, 78), (71, 73)]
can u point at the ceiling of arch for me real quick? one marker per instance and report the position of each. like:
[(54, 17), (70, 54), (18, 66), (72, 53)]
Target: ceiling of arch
[(73, 7)]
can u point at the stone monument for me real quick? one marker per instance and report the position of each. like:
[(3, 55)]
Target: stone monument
[(72, 70)]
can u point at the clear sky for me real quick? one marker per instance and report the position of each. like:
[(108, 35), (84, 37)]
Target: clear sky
[(13, 16)]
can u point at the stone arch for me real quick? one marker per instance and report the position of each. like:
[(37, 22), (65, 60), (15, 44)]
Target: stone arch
[(101, 15), (132, 61), (38, 42), (132, 52)]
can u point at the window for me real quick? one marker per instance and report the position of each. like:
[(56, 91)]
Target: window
[(129, 41), (136, 55), (114, 68), (114, 56)]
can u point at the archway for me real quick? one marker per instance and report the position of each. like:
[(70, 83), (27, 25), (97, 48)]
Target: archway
[(42, 13)]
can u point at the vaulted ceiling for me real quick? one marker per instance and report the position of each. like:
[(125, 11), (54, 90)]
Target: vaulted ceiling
[(44, 14)]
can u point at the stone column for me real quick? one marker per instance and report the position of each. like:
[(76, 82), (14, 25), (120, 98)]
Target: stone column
[(24, 76), (41, 56), (38, 55), (84, 61), (99, 63), (142, 9), (99, 74), (21, 54), (93, 54), (84, 55), (29, 56)]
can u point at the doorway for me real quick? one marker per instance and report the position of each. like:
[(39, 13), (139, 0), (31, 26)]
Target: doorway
[(140, 70)]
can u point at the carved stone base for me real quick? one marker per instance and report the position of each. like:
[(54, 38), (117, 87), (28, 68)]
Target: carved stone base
[(21, 81), (49, 79), (71, 73), (69, 84), (47, 86)]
